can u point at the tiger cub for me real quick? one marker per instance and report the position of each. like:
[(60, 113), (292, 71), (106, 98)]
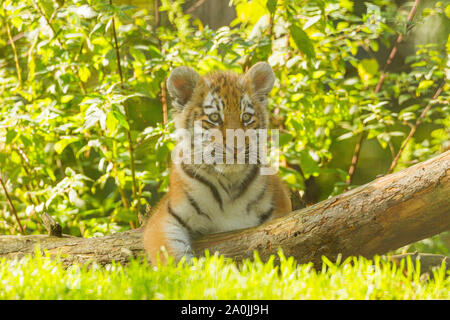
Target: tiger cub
[(215, 197)]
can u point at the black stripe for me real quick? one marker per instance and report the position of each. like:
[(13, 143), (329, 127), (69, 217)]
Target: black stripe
[(195, 205), (179, 220), (246, 182), (213, 189), (258, 198), (266, 215), (224, 187), (207, 125), (187, 121)]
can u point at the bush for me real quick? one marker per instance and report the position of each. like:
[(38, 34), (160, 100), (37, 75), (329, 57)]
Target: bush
[(85, 128)]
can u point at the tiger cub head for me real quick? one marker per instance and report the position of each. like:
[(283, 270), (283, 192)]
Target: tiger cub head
[(220, 101)]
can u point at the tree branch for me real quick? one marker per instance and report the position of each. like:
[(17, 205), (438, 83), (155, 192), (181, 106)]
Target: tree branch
[(414, 128), (13, 209), (163, 94), (195, 6), (13, 46), (355, 158), (49, 23), (127, 117), (383, 215)]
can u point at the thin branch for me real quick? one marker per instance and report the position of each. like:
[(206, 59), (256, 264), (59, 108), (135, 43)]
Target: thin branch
[(195, 6), (271, 26), (157, 22), (414, 128), (29, 187), (355, 158), (13, 46), (116, 47), (75, 73), (127, 116), (391, 148), (123, 198), (356, 152), (164, 102), (42, 13), (48, 222), (13, 209), (395, 48), (105, 152), (26, 167), (163, 84)]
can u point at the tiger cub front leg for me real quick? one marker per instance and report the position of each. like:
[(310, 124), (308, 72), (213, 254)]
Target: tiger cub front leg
[(164, 229)]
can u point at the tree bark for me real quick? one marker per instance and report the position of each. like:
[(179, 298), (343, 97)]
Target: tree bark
[(385, 214)]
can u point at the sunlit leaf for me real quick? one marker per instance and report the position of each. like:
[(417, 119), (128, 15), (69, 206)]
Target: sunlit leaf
[(311, 21), (271, 5), (302, 41), (63, 143)]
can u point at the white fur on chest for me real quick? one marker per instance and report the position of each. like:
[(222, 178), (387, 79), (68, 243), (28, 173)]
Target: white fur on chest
[(233, 215)]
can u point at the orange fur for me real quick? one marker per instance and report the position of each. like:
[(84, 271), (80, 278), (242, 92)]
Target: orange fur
[(199, 202)]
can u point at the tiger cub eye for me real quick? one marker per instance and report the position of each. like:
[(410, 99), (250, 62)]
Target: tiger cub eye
[(246, 117), (214, 117)]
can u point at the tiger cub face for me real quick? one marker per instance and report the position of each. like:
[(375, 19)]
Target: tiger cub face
[(220, 102)]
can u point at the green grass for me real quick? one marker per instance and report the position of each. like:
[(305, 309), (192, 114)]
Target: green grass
[(214, 277)]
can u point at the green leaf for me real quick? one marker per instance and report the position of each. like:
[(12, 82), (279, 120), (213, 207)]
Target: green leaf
[(69, 172), (423, 86), (96, 28), (84, 73), (374, 45), (403, 97), (94, 115), (62, 144), (383, 139), (318, 74), (271, 5), (26, 142), (10, 135), (302, 41), (138, 55), (308, 165), (284, 138), (122, 120), (345, 136), (370, 118), (66, 98), (367, 69), (311, 21), (111, 122)]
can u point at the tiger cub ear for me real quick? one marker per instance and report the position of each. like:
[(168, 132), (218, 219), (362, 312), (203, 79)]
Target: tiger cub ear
[(181, 84), (261, 78)]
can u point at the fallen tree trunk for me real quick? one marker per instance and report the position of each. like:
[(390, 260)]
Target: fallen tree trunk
[(383, 215)]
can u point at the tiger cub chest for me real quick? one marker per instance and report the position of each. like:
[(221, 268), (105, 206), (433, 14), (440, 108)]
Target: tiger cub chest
[(212, 204)]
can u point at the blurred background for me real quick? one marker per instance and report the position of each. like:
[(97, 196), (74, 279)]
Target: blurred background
[(85, 120)]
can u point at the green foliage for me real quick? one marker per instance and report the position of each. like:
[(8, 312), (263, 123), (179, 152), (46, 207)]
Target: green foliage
[(92, 151), (215, 277), (439, 244)]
